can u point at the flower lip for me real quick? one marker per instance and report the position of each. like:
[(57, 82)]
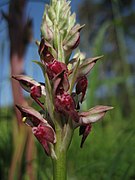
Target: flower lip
[(45, 135)]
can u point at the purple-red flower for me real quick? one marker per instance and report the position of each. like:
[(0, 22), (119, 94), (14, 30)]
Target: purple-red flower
[(65, 105), (40, 127)]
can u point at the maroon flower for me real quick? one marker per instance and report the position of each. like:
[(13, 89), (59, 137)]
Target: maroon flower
[(65, 104), (81, 86), (40, 127), (54, 68), (84, 131)]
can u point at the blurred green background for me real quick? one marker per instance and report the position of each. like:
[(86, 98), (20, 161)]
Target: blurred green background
[(109, 151)]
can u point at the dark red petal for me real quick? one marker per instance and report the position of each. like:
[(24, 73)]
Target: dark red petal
[(84, 131), (60, 83), (81, 86), (44, 143), (45, 135), (55, 68)]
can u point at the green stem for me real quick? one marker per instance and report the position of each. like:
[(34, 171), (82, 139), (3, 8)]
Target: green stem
[(59, 163), (60, 166), (64, 138)]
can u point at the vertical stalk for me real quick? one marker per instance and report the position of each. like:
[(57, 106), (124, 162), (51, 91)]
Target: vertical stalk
[(61, 147), (60, 162), (60, 166)]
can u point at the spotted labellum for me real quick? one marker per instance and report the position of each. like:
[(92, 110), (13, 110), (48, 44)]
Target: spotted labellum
[(63, 91)]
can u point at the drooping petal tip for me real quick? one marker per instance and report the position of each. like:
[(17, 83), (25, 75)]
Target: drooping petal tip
[(84, 131)]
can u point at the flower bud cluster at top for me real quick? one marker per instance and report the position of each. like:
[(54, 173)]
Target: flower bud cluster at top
[(66, 81)]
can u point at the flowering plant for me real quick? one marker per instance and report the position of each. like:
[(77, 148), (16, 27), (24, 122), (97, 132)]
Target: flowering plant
[(64, 89)]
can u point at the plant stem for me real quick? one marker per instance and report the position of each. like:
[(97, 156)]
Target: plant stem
[(60, 166), (59, 163), (61, 148)]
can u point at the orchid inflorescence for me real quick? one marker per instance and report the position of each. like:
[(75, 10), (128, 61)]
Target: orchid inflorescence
[(61, 95)]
